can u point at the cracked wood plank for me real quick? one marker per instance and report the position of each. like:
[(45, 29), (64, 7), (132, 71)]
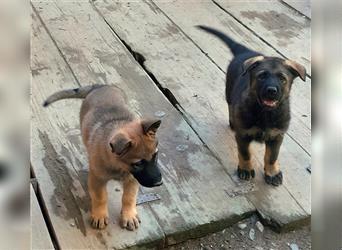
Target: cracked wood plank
[(40, 238), (209, 14), (279, 25), (198, 86), (193, 197), (60, 163)]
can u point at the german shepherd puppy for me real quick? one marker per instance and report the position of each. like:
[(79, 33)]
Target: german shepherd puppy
[(119, 145), (257, 92)]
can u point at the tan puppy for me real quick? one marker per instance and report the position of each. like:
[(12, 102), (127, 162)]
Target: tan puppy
[(119, 147)]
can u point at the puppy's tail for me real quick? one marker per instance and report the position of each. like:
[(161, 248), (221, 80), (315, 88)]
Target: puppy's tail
[(236, 48), (81, 93)]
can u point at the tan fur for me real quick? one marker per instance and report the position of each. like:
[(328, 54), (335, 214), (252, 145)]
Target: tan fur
[(245, 164), (297, 67), (249, 62), (108, 127), (270, 169), (104, 118)]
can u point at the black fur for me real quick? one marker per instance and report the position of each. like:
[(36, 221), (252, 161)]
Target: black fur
[(258, 100)]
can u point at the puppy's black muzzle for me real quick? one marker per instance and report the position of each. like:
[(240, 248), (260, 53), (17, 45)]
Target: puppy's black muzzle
[(269, 96), (147, 173), (271, 92)]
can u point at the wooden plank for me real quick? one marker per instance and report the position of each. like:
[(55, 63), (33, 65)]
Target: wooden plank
[(198, 86), (40, 238), (60, 163), (303, 6), (209, 14), (282, 27), (192, 203)]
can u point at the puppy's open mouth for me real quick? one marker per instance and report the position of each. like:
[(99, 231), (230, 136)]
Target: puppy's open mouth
[(269, 103)]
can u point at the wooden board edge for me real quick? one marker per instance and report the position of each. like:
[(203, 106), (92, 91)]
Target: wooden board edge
[(205, 229), (284, 226)]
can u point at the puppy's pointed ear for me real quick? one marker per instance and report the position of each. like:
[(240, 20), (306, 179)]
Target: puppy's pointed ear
[(150, 125), (120, 144), (251, 63), (297, 68)]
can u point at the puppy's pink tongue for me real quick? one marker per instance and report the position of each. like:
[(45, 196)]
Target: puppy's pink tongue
[(269, 103)]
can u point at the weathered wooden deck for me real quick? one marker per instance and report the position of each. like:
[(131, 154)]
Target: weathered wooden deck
[(183, 75)]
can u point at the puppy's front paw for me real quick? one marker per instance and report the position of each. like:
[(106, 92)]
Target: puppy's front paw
[(245, 174), (274, 180), (99, 222), (130, 220)]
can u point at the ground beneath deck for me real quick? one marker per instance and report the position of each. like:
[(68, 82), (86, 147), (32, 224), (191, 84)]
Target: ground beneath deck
[(171, 70), (237, 237)]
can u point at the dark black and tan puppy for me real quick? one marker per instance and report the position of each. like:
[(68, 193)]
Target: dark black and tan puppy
[(119, 145), (257, 92)]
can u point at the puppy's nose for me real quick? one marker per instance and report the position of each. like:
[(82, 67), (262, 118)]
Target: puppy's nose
[(272, 91)]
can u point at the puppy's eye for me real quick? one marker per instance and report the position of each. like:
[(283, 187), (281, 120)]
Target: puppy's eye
[(282, 79), (137, 166), (262, 76), (138, 163)]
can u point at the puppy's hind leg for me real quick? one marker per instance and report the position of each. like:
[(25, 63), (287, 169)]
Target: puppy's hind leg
[(129, 216), (245, 168), (273, 175)]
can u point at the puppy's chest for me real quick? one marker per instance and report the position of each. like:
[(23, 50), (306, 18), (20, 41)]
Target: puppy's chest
[(263, 125), (115, 173), (261, 129), (259, 134)]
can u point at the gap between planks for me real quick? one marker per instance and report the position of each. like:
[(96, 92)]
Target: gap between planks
[(297, 9), (296, 200), (37, 191), (182, 111), (45, 214), (59, 50), (172, 99)]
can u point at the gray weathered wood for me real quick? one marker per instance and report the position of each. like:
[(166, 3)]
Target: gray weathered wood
[(198, 86), (209, 14), (40, 238), (60, 163), (193, 197), (303, 6), (282, 27)]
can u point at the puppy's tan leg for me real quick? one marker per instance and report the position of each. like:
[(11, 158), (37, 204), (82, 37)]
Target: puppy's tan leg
[(98, 194), (273, 175), (245, 168), (129, 215)]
